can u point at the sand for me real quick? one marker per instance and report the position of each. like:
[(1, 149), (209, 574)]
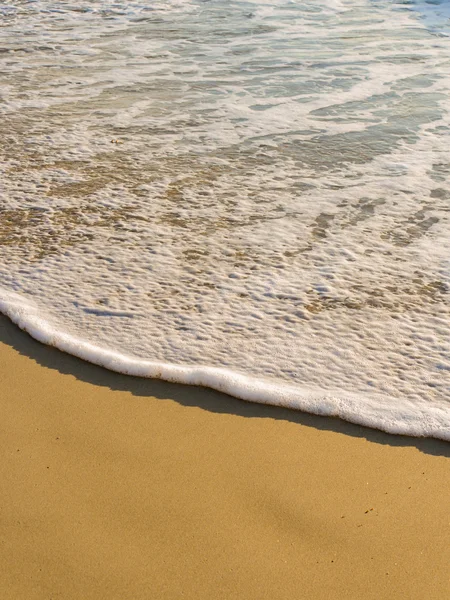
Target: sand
[(119, 488)]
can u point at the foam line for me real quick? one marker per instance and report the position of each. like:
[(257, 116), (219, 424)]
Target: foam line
[(392, 415)]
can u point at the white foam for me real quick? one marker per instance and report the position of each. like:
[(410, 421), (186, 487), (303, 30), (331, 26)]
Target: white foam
[(380, 412), (251, 196)]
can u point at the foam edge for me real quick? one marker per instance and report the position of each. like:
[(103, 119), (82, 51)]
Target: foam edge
[(394, 416)]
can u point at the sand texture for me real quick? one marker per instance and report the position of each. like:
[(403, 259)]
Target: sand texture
[(118, 488)]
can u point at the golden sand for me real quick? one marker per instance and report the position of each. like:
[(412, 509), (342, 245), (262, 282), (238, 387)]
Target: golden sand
[(120, 488)]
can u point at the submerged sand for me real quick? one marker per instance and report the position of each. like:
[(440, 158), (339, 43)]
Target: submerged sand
[(119, 488)]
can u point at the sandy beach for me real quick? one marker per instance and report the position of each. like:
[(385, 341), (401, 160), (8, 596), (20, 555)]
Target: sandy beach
[(120, 488)]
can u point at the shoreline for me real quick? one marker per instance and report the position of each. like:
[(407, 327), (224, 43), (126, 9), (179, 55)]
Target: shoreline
[(118, 487), (392, 416)]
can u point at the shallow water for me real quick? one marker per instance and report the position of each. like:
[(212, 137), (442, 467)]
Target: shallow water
[(249, 195)]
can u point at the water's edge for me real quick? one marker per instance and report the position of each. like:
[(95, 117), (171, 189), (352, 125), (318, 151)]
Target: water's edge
[(393, 416)]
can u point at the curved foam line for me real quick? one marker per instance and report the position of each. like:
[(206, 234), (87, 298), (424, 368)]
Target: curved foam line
[(376, 411)]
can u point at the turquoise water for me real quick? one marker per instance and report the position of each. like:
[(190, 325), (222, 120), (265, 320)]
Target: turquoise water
[(435, 14)]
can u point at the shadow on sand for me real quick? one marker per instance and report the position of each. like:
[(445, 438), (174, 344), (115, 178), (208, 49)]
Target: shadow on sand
[(191, 396)]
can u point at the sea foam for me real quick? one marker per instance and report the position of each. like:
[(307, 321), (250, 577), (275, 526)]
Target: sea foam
[(251, 196), (388, 414)]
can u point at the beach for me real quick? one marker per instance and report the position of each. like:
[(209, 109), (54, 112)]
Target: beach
[(248, 199), (116, 487), (260, 208)]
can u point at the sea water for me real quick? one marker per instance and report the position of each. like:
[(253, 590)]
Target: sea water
[(248, 195)]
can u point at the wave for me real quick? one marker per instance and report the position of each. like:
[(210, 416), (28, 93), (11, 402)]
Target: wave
[(392, 415)]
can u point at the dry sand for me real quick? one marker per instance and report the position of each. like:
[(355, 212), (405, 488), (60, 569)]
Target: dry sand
[(119, 488)]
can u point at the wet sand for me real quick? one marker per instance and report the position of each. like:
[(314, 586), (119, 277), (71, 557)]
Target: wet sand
[(119, 488)]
